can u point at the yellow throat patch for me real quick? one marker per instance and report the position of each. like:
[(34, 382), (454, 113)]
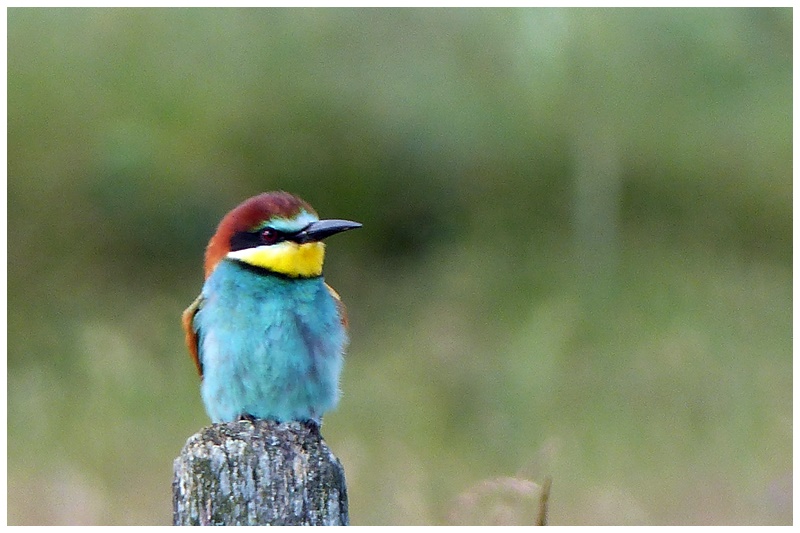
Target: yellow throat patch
[(287, 258)]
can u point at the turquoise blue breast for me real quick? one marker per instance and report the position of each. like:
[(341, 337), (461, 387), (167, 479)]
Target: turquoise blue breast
[(271, 347)]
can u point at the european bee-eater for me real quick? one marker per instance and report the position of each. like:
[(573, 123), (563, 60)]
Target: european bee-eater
[(267, 333)]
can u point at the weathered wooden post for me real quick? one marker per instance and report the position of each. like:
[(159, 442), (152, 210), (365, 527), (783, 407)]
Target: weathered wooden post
[(258, 473)]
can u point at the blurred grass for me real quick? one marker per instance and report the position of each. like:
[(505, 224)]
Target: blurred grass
[(645, 363)]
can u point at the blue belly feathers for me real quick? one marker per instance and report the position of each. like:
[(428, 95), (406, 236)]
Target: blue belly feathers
[(271, 347)]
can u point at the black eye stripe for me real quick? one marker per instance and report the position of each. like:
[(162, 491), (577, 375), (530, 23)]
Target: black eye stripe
[(241, 240)]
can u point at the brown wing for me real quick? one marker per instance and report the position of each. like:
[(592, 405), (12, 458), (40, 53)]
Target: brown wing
[(191, 336), (339, 305)]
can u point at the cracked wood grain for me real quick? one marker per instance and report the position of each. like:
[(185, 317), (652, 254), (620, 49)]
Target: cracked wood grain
[(258, 473)]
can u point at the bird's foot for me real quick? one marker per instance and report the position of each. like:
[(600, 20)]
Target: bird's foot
[(312, 425)]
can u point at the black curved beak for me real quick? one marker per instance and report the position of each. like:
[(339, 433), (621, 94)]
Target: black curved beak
[(316, 231)]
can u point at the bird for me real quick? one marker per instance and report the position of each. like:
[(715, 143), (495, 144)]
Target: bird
[(267, 333)]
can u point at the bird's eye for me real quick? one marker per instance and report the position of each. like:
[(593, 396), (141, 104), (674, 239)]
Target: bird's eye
[(270, 236)]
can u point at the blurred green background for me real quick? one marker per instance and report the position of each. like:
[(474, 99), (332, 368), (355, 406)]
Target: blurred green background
[(575, 261)]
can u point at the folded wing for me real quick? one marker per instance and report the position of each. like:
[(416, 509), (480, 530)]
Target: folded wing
[(187, 318)]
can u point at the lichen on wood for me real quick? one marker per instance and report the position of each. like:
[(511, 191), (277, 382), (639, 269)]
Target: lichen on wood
[(259, 473)]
